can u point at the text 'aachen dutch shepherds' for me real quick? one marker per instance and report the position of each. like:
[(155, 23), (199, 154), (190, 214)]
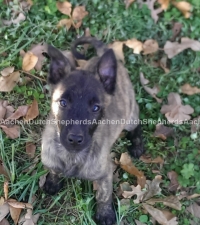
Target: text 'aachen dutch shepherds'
[(100, 91)]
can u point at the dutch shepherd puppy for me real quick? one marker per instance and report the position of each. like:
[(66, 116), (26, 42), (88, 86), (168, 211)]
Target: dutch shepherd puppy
[(87, 106)]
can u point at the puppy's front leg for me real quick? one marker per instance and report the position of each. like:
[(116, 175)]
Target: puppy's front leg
[(105, 214), (53, 183)]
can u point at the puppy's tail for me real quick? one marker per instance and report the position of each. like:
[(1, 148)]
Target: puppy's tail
[(99, 46)]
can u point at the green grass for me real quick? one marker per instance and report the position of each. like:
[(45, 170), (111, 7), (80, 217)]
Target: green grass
[(109, 21)]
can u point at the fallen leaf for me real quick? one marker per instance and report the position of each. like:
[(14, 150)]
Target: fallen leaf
[(189, 90), (176, 30), (5, 189), (167, 214), (64, 7), (33, 111), (150, 5), (117, 47), (184, 7), (158, 215), (150, 46), (42, 180), (15, 213), (174, 48), (148, 159), (152, 91), (29, 218), (172, 202), (19, 19), (2, 201), (9, 82), (79, 13), (128, 3), (19, 205), (3, 109), (194, 209), (4, 209), (175, 112), (20, 112), (164, 4), (193, 196), (195, 125), (153, 187), (8, 70), (127, 165), (163, 132), (12, 132), (29, 61), (81, 63), (4, 222), (3, 170), (134, 44), (30, 149), (65, 23), (174, 184), (163, 64)]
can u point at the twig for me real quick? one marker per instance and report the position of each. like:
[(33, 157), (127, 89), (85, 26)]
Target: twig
[(22, 71)]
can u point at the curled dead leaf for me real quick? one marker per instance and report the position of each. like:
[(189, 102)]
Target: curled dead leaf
[(33, 111), (20, 112), (134, 44), (79, 13), (189, 90), (64, 7), (150, 46), (29, 61), (65, 23), (148, 159)]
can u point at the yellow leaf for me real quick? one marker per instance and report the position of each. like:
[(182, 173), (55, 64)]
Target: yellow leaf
[(64, 7), (29, 61), (136, 45), (184, 7), (118, 49)]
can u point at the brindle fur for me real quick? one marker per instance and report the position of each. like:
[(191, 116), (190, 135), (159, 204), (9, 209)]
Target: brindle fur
[(103, 81)]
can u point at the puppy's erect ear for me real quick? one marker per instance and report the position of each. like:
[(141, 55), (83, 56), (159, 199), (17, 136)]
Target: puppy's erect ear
[(59, 65), (107, 69)]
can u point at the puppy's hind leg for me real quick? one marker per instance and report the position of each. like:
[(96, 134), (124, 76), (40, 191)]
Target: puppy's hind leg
[(53, 183)]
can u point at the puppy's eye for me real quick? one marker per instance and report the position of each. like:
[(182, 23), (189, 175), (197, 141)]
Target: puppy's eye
[(63, 103), (95, 108)]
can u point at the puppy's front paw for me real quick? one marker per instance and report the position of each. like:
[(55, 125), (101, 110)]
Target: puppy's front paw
[(53, 184), (105, 214)]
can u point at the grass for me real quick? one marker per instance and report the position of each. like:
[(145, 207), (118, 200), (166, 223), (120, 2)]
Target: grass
[(108, 21)]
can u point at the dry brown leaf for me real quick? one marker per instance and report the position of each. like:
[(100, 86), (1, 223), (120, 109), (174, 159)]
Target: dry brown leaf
[(176, 30), (134, 44), (148, 159), (175, 112), (10, 110), (153, 187), (8, 70), (29, 61), (167, 214), (29, 218), (127, 165), (19, 18), (128, 3), (65, 23), (150, 46), (189, 90), (81, 63), (3, 109), (9, 82), (117, 47), (15, 213), (30, 149), (37, 50), (174, 48), (150, 5), (4, 222), (194, 209), (20, 112), (4, 209), (12, 132), (152, 91), (172, 202), (3, 170), (195, 125), (158, 215), (79, 13), (174, 184), (42, 180), (164, 4), (163, 132), (19, 205), (33, 111), (184, 7), (193, 196), (163, 64), (2, 201), (64, 7)]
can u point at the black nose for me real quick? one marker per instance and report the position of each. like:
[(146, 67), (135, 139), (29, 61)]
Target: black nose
[(75, 139)]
